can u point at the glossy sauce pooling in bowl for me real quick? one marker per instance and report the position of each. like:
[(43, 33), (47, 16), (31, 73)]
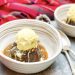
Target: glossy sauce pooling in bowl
[(33, 55)]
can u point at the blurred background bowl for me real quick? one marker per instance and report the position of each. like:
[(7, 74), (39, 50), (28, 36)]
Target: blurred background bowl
[(60, 15)]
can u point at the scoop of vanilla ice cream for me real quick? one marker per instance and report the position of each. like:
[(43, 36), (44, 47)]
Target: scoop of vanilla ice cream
[(26, 39), (71, 13)]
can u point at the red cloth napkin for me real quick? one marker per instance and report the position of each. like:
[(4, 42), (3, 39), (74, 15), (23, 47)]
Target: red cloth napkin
[(16, 9)]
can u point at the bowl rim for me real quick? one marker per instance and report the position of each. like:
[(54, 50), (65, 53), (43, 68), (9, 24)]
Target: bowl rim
[(30, 63), (56, 16)]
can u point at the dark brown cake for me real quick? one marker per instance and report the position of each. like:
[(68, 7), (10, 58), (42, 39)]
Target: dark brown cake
[(33, 55)]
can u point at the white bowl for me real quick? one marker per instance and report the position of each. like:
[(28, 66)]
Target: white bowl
[(47, 35), (61, 14)]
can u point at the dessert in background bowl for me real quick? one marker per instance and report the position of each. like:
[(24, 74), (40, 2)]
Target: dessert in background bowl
[(71, 15), (28, 41), (65, 18)]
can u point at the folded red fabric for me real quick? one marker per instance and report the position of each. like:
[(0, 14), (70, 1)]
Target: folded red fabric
[(16, 9)]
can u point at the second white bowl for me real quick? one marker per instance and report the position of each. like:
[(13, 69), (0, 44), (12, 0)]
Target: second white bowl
[(61, 14)]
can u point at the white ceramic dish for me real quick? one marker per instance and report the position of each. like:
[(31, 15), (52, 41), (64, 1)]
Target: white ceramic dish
[(61, 14), (49, 37)]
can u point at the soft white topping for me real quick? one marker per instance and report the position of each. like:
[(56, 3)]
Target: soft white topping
[(26, 39)]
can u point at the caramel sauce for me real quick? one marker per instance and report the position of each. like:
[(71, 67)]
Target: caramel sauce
[(43, 52), (6, 51)]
